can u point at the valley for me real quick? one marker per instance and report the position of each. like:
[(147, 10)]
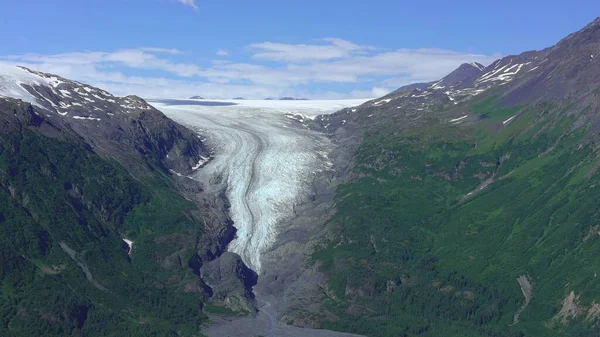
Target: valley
[(266, 160), (464, 204), (268, 163)]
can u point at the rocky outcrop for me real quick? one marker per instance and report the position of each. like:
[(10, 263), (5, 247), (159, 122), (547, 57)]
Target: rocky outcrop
[(230, 282), (527, 289)]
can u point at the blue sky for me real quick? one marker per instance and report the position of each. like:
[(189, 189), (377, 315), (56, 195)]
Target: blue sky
[(316, 49)]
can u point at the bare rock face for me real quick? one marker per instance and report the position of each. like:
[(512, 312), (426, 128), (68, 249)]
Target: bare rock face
[(231, 282)]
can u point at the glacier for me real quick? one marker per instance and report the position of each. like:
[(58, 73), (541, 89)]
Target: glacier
[(266, 160)]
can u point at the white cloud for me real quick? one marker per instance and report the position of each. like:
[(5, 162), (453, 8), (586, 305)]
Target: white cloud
[(191, 3), (132, 58), (273, 69), (222, 52), (161, 50), (281, 52)]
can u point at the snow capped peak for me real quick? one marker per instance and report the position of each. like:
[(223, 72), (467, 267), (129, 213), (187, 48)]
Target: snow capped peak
[(12, 79), (64, 97)]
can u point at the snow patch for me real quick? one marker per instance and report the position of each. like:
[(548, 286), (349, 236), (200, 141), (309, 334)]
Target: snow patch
[(176, 173), (87, 117), (508, 120), (129, 244), (201, 162), (458, 119), (437, 85), (78, 91), (505, 76), (424, 94), (383, 101), (478, 66)]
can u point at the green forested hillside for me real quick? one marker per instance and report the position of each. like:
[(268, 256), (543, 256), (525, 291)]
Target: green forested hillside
[(64, 268), (442, 219)]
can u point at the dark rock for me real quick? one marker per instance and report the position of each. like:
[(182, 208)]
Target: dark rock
[(231, 282)]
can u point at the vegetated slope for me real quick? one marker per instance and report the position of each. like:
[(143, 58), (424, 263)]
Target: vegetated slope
[(471, 210), (97, 236)]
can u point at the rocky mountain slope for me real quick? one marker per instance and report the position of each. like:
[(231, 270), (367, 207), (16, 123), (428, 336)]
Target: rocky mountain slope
[(101, 232), (466, 206), (125, 128)]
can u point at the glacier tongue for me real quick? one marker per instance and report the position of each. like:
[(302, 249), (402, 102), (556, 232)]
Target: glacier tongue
[(267, 162)]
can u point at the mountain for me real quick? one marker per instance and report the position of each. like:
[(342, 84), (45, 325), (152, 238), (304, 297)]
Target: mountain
[(238, 98), (465, 206), (413, 86), (101, 232), (196, 97), (463, 73), (292, 99), (126, 128)]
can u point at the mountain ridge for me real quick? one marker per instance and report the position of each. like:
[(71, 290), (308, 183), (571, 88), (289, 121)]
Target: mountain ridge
[(99, 221), (448, 203), (111, 124)]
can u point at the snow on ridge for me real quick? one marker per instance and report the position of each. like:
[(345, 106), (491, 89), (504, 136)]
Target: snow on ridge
[(478, 66), (54, 81), (12, 79)]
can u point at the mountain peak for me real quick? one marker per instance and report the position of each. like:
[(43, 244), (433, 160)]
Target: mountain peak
[(475, 64), (464, 72)]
